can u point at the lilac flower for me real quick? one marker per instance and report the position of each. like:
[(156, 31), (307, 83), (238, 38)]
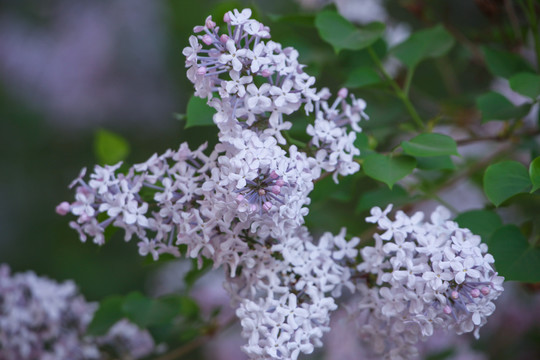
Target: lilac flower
[(428, 277)]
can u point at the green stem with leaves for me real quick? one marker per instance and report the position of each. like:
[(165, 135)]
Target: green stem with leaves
[(400, 93)]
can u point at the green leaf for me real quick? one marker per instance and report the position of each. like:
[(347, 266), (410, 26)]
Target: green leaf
[(328, 189), (109, 147), (382, 197), (199, 113), (504, 180), (195, 273), (480, 222), (108, 313), (515, 258), (341, 34), (430, 145), (145, 311), (388, 169), (534, 173), (495, 106), (362, 76), (503, 63), (423, 44), (363, 143), (435, 163), (526, 84), (188, 307)]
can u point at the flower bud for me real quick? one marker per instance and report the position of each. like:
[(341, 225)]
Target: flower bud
[(207, 39), (475, 293), (201, 70), (63, 208), (267, 206), (198, 29), (342, 93), (209, 23)]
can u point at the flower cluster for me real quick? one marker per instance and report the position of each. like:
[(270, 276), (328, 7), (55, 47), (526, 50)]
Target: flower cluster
[(243, 206), (247, 199), (232, 64), (422, 276), (42, 319), (285, 302)]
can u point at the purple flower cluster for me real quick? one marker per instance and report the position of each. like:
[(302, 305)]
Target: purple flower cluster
[(243, 206), (42, 319), (424, 276)]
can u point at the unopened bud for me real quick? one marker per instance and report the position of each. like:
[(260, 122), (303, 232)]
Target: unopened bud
[(280, 182), (274, 175), (207, 39), (475, 293), (266, 73), (239, 197), (342, 93), (447, 310), (276, 189), (224, 38), (63, 208), (201, 70), (262, 192), (209, 23), (267, 206), (198, 29), (227, 17), (454, 295), (485, 290)]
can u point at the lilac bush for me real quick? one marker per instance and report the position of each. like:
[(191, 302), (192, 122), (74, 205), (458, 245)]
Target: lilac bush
[(242, 205)]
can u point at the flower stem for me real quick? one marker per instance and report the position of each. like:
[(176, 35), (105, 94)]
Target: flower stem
[(401, 94), (290, 140)]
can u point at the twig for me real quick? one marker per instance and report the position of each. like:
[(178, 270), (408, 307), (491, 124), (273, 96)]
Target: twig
[(189, 347), (474, 168), (323, 176), (497, 137)]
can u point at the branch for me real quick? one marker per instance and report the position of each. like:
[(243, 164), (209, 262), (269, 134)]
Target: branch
[(503, 137), (190, 346)]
